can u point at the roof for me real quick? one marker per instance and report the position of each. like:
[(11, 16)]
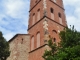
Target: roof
[(16, 36)]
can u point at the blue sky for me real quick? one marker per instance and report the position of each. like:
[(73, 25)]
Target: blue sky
[(14, 16)]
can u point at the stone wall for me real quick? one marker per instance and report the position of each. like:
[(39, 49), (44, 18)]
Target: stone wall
[(19, 47)]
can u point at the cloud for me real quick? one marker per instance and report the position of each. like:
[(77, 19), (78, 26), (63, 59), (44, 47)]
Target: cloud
[(13, 17), (8, 36), (73, 21), (72, 9), (14, 8), (71, 2)]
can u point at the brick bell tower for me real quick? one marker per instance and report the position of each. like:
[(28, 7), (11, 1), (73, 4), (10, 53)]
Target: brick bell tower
[(46, 17)]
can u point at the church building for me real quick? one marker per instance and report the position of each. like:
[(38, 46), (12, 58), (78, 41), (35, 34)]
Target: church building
[(46, 18)]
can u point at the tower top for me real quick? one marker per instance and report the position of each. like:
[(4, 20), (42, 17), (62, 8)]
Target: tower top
[(33, 3)]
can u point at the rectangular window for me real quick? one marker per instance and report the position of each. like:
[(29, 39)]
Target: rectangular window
[(52, 13), (60, 19)]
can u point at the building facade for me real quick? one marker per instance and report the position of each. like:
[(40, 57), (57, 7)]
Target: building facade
[(46, 18)]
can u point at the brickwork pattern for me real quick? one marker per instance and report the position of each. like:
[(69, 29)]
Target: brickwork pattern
[(19, 47)]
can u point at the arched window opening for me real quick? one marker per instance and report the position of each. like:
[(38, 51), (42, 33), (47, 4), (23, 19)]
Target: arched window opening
[(38, 14), (51, 10), (59, 14), (33, 19), (60, 19), (38, 39), (54, 34), (32, 43), (52, 13), (54, 40)]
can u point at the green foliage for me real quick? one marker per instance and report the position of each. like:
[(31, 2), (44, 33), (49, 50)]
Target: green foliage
[(69, 48), (70, 37), (49, 54), (4, 48)]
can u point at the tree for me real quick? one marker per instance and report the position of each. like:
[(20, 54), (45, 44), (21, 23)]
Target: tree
[(68, 48), (50, 54), (4, 48)]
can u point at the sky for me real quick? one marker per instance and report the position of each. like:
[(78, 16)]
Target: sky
[(14, 16)]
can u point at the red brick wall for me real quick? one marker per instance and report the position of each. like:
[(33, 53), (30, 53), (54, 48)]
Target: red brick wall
[(52, 25), (34, 10), (57, 10), (37, 54)]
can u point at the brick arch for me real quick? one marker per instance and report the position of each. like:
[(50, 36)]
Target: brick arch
[(54, 36), (54, 31), (54, 40)]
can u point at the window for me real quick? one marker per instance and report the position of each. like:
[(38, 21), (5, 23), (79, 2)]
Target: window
[(54, 33), (33, 19), (60, 19), (54, 40), (38, 39), (32, 43), (51, 10), (52, 13), (38, 14), (59, 14)]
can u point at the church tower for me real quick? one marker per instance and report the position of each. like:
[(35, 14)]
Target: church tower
[(45, 17)]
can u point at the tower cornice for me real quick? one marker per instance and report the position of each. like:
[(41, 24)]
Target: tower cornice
[(47, 18), (40, 1), (38, 48), (34, 5)]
